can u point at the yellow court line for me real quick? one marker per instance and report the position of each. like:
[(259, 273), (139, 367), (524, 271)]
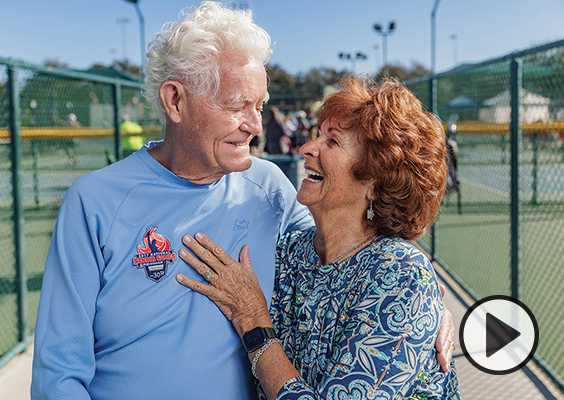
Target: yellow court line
[(463, 127), (43, 133), (478, 127)]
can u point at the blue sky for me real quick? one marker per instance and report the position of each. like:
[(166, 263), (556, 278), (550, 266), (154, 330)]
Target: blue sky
[(307, 33)]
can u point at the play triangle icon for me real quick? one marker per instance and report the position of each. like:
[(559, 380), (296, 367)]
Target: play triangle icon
[(498, 334)]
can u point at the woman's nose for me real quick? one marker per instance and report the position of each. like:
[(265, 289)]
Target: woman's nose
[(309, 149)]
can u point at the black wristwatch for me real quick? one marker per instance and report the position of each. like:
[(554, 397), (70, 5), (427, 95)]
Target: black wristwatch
[(255, 338)]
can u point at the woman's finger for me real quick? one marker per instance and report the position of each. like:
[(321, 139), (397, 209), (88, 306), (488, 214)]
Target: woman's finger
[(211, 292), (206, 257), (442, 288), (244, 257), (215, 250), (198, 286), (202, 268)]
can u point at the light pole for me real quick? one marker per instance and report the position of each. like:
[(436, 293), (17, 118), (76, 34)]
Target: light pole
[(433, 107), (123, 22), (453, 37), (376, 47), (141, 31), (385, 34), (352, 59), (433, 50)]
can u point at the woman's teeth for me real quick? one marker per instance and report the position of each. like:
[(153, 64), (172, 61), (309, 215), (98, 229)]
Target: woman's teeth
[(313, 175)]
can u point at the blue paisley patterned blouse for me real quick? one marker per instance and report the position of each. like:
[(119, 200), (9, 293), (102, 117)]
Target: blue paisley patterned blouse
[(361, 329)]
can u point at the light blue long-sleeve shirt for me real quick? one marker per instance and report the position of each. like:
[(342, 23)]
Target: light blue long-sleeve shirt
[(113, 323)]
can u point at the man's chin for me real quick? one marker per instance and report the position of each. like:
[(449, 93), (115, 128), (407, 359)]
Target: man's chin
[(240, 165)]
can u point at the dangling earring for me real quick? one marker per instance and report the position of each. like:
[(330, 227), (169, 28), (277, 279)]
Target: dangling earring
[(370, 212)]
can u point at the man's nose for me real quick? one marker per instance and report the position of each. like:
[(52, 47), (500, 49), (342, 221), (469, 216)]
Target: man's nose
[(253, 123)]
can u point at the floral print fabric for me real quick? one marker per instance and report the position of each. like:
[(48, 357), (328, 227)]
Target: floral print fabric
[(364, 328)]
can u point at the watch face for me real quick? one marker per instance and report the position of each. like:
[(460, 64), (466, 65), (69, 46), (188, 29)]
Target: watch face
[(254, 339)]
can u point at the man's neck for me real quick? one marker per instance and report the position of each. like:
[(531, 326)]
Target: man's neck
[(181, 164)]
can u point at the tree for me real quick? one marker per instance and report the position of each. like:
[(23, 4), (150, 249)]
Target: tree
[(51, 62), (321, 76), (279, 81), (403, 73)]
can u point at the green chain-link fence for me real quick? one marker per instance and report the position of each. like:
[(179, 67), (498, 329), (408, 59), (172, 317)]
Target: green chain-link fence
[(55, 126), (506, 234), (503, 237)]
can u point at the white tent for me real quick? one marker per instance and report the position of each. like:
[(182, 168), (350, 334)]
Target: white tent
[(533, 108)]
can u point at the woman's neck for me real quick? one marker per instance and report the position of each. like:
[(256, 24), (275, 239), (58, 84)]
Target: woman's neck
[(336, 236)]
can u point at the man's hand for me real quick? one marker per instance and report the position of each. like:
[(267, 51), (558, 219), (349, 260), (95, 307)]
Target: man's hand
[(445, 338)]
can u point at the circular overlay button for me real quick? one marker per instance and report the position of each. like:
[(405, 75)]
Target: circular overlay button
[(499, 335)]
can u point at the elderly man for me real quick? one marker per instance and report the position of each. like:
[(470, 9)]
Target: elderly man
[(113, 323)]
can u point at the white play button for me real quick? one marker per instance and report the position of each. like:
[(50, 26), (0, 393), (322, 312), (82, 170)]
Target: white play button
[(499, 335)]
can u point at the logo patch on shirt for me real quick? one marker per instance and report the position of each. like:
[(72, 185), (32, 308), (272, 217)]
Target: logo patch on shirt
[(240, 224), (154, 255)]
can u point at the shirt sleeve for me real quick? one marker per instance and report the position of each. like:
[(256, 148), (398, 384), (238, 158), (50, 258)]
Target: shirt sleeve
[(386, 348), (64, 362)]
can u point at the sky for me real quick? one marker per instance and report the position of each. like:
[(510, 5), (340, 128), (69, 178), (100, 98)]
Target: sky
[(306, 33)]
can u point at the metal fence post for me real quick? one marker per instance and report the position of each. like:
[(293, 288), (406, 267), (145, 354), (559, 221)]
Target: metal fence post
[(434, 227), (516, 82), (19, 238), (536, 140), (117, 116)]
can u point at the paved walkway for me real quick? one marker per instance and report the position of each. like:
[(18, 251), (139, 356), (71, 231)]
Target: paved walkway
[(528, 383), (15, 377)]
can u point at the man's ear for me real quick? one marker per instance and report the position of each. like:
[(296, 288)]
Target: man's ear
[(171, 94)]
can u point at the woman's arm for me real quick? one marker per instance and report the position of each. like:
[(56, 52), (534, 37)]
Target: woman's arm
[(372, 354)]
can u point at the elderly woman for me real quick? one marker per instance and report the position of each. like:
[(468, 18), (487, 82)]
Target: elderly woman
[(356, 307)]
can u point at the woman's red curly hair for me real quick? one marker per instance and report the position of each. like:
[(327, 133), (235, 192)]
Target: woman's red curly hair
[(404, 152)]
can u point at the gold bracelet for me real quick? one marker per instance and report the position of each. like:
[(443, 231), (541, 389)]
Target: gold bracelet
[(259, 353)]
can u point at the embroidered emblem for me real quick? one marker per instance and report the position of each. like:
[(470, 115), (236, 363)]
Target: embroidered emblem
[(154, 255), (240, 224)]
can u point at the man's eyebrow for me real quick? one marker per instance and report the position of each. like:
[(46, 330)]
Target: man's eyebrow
[(240, 98)]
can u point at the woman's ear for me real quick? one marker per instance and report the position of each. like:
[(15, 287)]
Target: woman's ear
[(370, 190), (171, 94)]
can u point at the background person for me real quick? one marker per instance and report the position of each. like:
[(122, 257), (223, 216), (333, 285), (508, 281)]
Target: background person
[(356, 308), (277, 134)]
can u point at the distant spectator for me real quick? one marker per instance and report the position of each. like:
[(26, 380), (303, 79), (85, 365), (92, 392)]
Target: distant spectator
[(277, 138)]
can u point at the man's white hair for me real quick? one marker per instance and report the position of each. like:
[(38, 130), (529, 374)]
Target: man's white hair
[(188, 50)]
